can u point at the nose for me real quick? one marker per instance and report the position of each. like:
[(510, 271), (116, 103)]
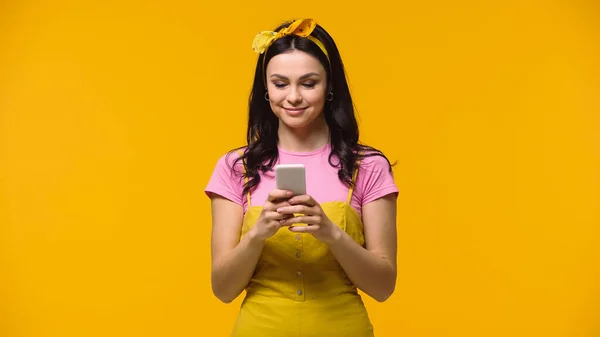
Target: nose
[(294, 96)]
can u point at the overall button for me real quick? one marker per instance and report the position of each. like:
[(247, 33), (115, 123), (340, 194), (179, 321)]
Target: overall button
[(299, 274), (297, 236), (299, 292), (298, 255)]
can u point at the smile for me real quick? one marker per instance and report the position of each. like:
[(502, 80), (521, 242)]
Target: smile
[(294, 111)]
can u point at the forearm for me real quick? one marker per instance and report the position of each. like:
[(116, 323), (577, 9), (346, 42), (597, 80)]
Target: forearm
[(233, 271), (373, 274)]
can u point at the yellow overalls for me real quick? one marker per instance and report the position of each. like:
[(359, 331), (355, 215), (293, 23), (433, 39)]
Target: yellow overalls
[(298, 288)]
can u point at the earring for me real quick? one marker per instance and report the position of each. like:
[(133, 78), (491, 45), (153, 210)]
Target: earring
[(329, 97), (267, 96)]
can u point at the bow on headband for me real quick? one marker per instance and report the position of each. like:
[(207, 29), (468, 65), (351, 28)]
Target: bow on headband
[(302, 28)]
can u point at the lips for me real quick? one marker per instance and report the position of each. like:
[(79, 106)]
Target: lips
[(294, 111)]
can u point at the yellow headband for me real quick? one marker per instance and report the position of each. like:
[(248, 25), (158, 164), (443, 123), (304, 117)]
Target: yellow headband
[(302, 28)]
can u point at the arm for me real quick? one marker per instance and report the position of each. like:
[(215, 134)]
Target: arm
[(233, 260), (372, 270)]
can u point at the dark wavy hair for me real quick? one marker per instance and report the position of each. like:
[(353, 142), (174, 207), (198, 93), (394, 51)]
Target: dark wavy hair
[(261, 152)]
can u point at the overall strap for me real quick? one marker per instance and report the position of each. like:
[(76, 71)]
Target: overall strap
[(353, 181), (245, 178)]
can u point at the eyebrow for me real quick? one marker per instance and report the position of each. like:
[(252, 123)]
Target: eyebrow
[(301, 77)]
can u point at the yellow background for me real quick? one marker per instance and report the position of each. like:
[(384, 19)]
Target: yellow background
[(113, 114)]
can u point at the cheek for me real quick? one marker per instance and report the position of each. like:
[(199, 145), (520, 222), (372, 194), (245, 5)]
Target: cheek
[(276, 96), (274, 107), (316, 97)]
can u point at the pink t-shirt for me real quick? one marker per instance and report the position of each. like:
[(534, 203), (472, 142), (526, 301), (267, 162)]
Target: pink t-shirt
[(374, 179)]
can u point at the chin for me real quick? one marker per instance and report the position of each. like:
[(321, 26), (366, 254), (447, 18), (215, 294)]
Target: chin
[(295, 124), (306, 119)]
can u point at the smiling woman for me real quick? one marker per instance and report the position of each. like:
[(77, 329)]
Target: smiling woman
[(302, 280)]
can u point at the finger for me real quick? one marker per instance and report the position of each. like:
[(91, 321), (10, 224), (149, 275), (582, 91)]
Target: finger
[(304, 199), (278, 216), (302, 209), (309, 220), (304, 229), (276, 195), (274, 206), (280, 204)]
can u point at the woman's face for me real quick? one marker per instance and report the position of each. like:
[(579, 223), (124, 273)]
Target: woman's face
[(297, 84)]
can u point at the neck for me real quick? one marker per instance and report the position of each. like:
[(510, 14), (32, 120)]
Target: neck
[(306, 139)]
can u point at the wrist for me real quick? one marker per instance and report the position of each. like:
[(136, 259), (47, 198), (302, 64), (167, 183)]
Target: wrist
[(253, 238), (336, 236)]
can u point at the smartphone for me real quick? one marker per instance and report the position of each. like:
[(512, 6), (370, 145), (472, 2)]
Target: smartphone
[(291, 177)]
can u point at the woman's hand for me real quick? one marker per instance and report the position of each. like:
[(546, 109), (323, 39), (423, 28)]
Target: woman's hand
[(313, 215), (268, 222)]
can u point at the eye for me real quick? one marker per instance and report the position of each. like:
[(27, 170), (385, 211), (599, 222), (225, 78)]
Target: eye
[(309, 85), (279, 85)]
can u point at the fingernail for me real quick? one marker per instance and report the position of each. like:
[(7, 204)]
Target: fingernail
[(290, 193), (290, 228), (279, 210)]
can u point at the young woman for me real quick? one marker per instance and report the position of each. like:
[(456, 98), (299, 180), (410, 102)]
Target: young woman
[(302, 258)]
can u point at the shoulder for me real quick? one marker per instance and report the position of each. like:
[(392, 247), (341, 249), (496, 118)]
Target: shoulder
[(375, 178), (373, 160), (229, 168), (227, 177), (230, 160)]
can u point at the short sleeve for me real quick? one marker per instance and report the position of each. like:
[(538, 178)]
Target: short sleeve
[(226, 182), (374, 180)]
